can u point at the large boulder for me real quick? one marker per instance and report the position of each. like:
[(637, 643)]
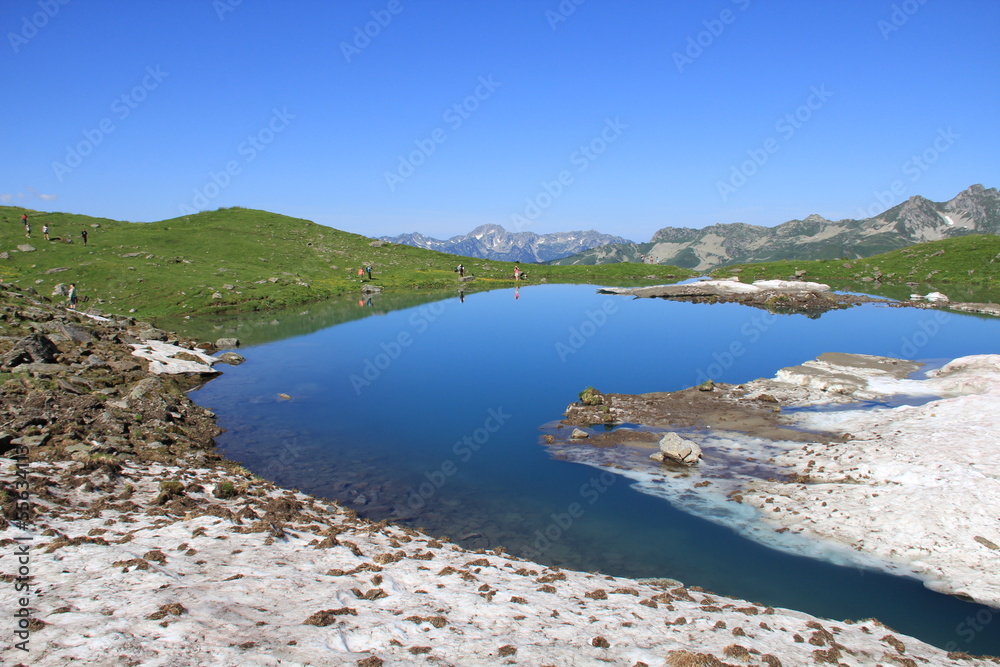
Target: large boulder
[(678, 450), (35, 348)]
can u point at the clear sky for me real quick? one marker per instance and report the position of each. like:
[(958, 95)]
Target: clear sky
[(391, 116)]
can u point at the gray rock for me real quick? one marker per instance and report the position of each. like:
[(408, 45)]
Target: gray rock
[(677, 449), (35, 348), (24, 247), (4, 255), (227, 343), (57, 270), (370, 289), (31, 440), (579, 434)]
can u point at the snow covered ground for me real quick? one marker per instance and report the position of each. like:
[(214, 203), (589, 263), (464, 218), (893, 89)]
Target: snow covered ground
[(917, 486), (145, 565)]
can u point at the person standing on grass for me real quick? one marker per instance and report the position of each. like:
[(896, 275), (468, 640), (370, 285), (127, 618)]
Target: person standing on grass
[(461, 270), (24, 219), (368, 270), (45, 230), (517, 272), (71, 296), (83, 233), (27, 230)]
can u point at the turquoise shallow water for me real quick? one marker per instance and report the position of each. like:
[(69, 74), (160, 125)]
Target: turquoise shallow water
[(431, 416)]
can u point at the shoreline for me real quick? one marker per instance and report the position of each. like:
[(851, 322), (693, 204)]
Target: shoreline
[(908, 487), (145, 547)]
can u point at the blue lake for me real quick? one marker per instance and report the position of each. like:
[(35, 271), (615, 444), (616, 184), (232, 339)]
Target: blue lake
[(430, 416)]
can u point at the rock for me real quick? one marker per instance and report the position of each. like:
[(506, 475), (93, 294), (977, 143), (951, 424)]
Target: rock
[(4, 255), (73, 332), (229, 287), (57, 270), (377, 243), (216, 295), (227, 343), (677, 449), (31, 349), (24, 247), (36, 314), (5, 442), (285, 397), (578, 434), (370, 289), (231, 358)]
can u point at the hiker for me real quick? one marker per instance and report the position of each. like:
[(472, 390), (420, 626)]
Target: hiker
[(517, 272), (361, 274), (461, 270), (27, 230), (83, 233), (368, 270), (24, 219), (71, 296), (45, 230)]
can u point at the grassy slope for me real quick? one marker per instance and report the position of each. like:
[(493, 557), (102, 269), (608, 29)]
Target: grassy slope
[(183, 262), (970, 262)]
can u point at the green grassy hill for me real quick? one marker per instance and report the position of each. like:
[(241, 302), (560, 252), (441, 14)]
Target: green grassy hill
[(239, 259), (966, 262)]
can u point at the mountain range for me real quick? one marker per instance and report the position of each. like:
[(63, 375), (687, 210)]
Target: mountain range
[(973, 211), (495, 242)]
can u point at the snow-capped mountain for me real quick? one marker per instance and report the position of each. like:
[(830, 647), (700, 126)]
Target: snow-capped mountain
[(495, 242)]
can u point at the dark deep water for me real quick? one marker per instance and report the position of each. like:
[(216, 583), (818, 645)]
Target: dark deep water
[(430, 416)]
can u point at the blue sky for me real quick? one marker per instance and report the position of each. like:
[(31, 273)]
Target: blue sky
[(391, 116)]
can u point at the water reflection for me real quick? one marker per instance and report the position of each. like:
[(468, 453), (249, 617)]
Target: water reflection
[(430, 416)]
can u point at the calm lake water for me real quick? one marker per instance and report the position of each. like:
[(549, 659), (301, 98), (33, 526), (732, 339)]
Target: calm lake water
[(430, 416)]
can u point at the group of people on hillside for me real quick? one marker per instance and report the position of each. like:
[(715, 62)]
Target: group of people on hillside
[(45, 229)]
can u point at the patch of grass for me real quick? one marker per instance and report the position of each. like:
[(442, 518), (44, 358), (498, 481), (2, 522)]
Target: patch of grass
[(591, 396), (239, 260)]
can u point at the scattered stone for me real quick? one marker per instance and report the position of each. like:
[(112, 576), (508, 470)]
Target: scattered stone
[(578, 434), (231, 358), (24, 247), (227, 343), (677, 449)]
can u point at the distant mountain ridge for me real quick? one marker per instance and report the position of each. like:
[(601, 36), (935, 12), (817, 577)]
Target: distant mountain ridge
[(495, 242), (973, 211)]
